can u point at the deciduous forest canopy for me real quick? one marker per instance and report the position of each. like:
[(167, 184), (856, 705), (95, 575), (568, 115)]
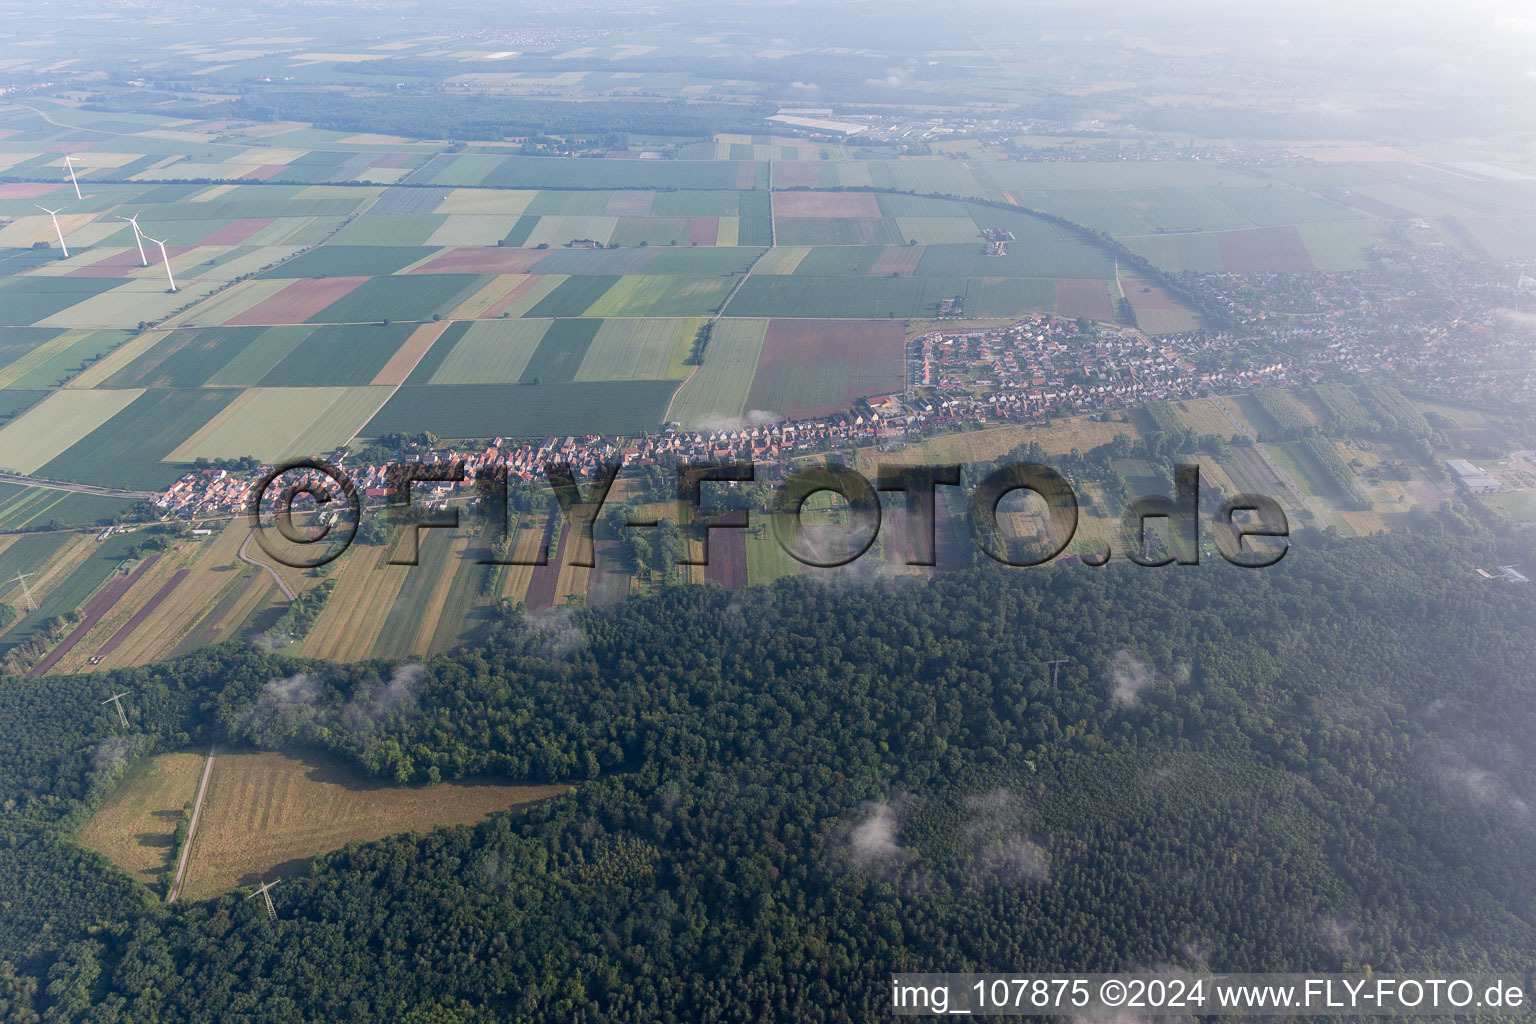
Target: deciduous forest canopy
[(785, 793)]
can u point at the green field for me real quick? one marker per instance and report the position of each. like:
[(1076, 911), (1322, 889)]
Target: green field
[(48, 429), (402, 297), (60, 358), (756, 219), (717, 391), (26, 300), (858, 297), (276, 423), (493, 352), (27, 508), (339, 356), (350, 260), (1197, 252), (1056, 257), (572, 297), (1008, 296), (126, 450), (490, 410), (639, 349), (651, 295), (696, 204), (259, 351), (561, 350), (408, 230)]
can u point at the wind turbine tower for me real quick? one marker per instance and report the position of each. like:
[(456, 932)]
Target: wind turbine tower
[(117, 700), (56, 229), (22, 579), (265, 892), (69, 162), (1055, 669), (166, 260), (138, 238)]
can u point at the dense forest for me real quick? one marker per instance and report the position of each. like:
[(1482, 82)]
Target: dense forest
[(785, 793)]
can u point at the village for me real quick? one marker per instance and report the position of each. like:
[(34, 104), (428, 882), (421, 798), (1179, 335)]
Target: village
[(959, 378)]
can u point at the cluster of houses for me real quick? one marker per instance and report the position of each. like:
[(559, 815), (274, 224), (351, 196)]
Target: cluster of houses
[(1037, 367), (995, 241)]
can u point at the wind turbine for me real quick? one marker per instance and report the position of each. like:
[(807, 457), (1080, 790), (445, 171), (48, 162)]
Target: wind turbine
[(22, 579), (57, 230), (117, 700), (68, 162), (164, 259), (138, 238), (265, 892)]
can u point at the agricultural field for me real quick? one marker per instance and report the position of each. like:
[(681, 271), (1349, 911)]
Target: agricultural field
[(267, 814), (494, 270), (815, 367), (276, 423), (135, 828), (717, 392)]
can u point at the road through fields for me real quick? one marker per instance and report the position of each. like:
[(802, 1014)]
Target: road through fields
[(186, 845)]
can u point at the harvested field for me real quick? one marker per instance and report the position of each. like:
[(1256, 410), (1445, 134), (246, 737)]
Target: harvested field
[(268, 814), (1156, 311), (236, 231), (1075, 297), (400, 365), (274, 423), (629, 203), (298, 302), (144, 611), (353, 618), (92, 612), (645, 295), (135, 828), (897, 261), (541, 585), (727, 564), (1278, 249), (480, 260), (816, 367), (796, 174)]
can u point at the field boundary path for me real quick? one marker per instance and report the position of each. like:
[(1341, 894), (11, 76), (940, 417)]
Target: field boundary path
[(186, 846), (248, 560)]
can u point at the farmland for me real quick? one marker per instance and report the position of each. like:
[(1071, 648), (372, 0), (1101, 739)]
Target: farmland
[(335, 288), (135, 828), (717, 391), (810, 367), (267, 814)]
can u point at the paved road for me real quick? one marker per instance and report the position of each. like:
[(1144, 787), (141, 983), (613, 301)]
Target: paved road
[(186, 846), (56, 485), (270, 571)]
